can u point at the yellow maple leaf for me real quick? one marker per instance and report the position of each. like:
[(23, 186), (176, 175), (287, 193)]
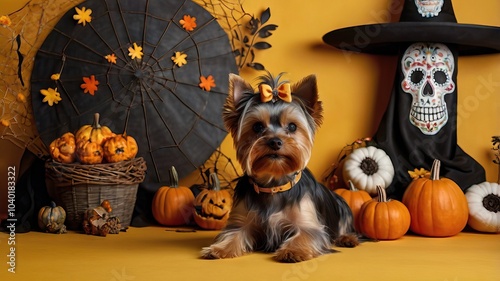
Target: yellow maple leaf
[(5, 21), (55, 76), (135, 52), (207, 82), (179, 59), (111, 58), (188, 22), (51, 96), (82, 15), (418, 173)]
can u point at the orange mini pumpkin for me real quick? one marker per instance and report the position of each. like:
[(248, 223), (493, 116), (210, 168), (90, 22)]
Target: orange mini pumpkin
[(355, 198), (173, 205), (95, 132), (384, 219), (213, 205), (89, 152), (63, 149), (120, 148), (438, 206)]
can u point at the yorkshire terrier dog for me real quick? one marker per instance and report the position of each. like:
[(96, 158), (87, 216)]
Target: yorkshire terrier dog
[(278, 205)]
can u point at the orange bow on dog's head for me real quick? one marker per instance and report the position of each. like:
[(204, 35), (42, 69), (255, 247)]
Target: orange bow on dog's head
[(283, 92)]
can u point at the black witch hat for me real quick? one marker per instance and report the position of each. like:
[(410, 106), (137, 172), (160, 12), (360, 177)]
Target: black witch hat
[(420, 122), (420, 20)]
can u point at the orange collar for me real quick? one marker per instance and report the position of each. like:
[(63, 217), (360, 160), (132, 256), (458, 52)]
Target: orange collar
[(280, 188)]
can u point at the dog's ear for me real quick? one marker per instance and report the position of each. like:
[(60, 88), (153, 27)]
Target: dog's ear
[(237, 88), (307, 90)]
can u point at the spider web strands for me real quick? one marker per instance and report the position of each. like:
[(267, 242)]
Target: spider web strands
[(30, 25)]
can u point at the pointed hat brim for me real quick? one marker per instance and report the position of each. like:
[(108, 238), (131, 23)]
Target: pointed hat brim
[(388, 38)]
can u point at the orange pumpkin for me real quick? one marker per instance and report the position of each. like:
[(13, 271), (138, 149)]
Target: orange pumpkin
[(438, 206), (120, 148), (383, 219), (95, 132), (212, 205), (355, 199), (63, 149), (89, 152), (173, 205)]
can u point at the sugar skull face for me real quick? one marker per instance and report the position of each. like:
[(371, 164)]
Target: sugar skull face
[(428, 71), (429, 8)]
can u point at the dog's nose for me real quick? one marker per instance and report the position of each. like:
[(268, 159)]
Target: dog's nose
[(275, 143)]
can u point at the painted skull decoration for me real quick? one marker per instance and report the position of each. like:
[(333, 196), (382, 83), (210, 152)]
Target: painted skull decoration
[(429, 8), (428, 71)]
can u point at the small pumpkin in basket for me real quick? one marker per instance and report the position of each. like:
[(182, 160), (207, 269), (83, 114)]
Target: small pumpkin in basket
[(120, 148), (94, 133), (51, 218), (213, 205), (173, 205), (63, 149), (89, 152)]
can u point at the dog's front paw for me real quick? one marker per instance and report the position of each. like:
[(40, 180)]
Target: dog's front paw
[(294, 255), (214, 252), (347, 240)]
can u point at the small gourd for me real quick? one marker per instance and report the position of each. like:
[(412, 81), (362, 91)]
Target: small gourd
[(212, 205), (484, 207), (368, 167), (120, 148), (89, 152), (384, 219), (173, 204), (438, 207), (94, 133), (63, 149), (51, 218), (355, 198)]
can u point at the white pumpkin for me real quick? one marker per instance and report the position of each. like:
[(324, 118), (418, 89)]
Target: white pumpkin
[(368, 167), (484, 207)]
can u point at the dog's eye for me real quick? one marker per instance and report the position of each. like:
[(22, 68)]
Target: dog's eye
[(258, 127), (292, 127)]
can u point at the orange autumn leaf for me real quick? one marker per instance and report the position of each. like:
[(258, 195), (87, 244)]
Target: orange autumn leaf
[(89, 85), (207, 82), (188, 22), (111, 58)]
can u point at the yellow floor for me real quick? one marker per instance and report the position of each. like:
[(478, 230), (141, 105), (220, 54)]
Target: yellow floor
[(152, 253)]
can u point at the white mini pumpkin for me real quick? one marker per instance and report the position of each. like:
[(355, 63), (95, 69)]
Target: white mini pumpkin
[(484, 207), (368, 167)]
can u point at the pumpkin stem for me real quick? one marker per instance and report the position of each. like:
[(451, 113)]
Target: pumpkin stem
[(215, 182), (382, 196), (53, 204), (369, 166), (436, 166), (351, 186), (491, 202), (96, 124), (174, 178)]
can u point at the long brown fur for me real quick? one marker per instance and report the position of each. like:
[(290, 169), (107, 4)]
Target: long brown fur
[(273, 142)]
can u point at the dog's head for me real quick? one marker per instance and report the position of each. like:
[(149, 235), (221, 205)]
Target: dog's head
[(273, 128)]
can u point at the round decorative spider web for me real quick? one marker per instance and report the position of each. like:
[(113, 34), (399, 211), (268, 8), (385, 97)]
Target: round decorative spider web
[(160, 104)]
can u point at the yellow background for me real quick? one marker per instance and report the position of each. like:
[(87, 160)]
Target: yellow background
[(355, 88)]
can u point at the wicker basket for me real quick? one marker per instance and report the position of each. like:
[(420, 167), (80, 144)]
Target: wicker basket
[(78, 187)]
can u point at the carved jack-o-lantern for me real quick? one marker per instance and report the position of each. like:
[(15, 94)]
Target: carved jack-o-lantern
[(213, 205)]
